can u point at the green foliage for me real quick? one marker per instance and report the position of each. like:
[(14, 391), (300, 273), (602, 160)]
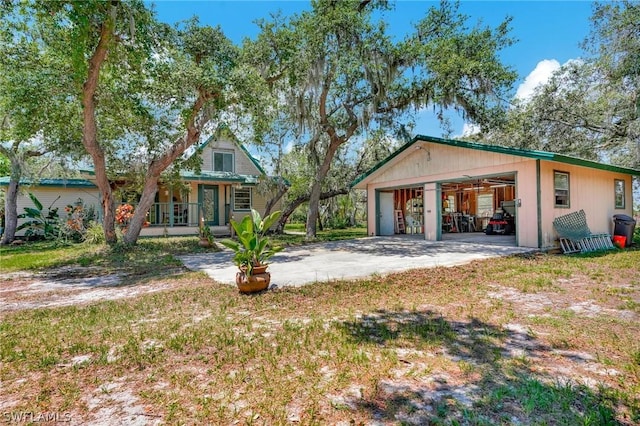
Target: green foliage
[(5, 166), (337, 73), (40, 223), (94, 234), (589, 108), (205, 233), (253, 247), (79, 217)]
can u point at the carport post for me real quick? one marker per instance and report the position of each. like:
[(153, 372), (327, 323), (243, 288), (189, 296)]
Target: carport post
[(432, 208)]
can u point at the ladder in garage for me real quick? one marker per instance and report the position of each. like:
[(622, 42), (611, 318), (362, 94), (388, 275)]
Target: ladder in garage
[(400, 228)]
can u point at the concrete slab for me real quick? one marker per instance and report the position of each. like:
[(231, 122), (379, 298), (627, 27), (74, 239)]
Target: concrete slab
[(350, 259)]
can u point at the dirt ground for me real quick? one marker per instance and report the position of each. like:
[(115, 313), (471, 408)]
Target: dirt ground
[(117, 403), (66, 287)]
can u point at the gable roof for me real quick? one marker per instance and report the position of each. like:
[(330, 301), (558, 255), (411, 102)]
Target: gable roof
[(225, 128), (538, 155), (61, 182)]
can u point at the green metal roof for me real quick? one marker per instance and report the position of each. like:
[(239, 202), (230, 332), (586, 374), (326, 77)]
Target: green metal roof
[(67, 183), (220, 177), (538, 155)]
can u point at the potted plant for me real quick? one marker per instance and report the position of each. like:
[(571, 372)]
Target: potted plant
[(252, 250), (206, 236)]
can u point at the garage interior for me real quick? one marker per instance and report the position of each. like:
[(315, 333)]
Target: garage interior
[(469, 205)]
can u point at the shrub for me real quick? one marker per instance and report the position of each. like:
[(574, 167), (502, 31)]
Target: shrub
[(78, 219), (94, 233), (39, 223)]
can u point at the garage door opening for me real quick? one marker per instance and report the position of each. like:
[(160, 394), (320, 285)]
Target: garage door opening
[(481, 210), (402, 211)]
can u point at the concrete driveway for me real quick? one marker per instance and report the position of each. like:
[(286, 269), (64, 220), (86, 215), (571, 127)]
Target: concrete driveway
[(349, 259)]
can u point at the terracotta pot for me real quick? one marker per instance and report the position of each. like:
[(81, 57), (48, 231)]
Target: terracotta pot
[(253, 283), (204, 242), (260, 269)]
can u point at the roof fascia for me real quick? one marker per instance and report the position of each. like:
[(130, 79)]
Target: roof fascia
[(539, 155)]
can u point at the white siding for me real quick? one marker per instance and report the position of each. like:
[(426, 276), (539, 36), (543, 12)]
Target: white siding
[(243, 164), (57, 197)]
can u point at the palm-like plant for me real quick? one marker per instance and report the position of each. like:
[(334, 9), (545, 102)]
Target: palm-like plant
[(252, 248)]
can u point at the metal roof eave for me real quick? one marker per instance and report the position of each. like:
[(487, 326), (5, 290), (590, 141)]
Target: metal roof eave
[(539, 155), (61, 182)]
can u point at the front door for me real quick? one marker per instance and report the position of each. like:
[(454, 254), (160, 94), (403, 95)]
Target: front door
[(208, 196)]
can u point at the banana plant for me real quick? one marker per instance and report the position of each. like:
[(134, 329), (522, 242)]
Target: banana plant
[(47, 225), (253, 247)]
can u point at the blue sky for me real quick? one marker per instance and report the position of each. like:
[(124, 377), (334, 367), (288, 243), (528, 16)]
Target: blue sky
[(548, 32)]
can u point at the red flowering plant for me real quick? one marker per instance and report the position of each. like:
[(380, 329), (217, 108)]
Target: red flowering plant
[(77, 221), (124, 213)]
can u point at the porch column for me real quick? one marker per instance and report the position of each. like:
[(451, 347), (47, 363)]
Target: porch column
[(430, 197)]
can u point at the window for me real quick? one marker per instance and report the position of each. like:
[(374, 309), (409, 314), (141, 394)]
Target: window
[(485, 205), (561, 188), (242, 199), (619, 193), (449, 204), (222, 162)]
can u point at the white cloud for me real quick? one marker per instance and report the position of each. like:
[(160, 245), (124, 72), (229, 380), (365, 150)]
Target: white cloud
[(469, 129), (540, 75), (288, 147)]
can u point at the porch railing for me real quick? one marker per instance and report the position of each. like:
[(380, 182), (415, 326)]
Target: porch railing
[(173, 214)]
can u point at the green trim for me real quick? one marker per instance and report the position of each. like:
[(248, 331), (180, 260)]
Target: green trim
[(538, 155), (220, 177), (65, 183), (377, 212), (517, 206), (539, 203), (438, 211)]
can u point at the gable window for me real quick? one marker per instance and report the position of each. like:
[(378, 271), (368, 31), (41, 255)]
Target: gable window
[(223, 162), (618, 186), (561, 188), (241, 199)]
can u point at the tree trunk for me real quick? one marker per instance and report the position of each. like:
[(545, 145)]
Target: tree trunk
[(314, 195), (282, 189), (11, 203), (288, 210), (140, 213), (194, 127), (90, 128)]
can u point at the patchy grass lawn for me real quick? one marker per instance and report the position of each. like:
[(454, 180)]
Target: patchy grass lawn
[(539, 339), (321, 236)]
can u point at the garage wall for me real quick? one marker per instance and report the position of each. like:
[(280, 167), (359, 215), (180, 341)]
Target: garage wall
[(440, 160), (438, 163), (590, 190)]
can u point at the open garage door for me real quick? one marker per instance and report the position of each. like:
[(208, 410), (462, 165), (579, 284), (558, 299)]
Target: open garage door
[(480, 210)]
